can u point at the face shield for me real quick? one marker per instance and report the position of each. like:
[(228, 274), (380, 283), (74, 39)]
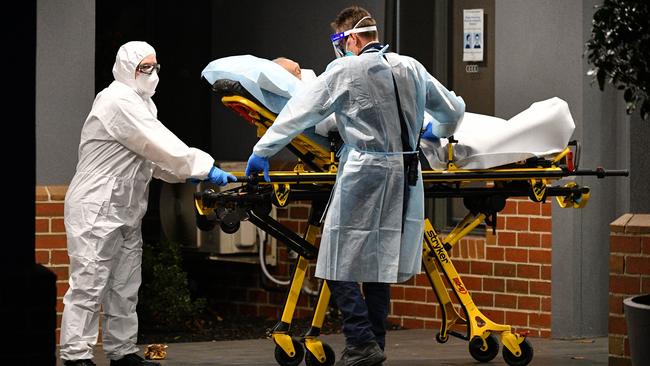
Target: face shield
[(338, 39)]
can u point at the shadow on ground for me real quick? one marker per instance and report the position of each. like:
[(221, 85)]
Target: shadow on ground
[(215, 328)]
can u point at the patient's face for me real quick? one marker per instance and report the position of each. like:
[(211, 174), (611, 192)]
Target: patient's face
[(291, 66)]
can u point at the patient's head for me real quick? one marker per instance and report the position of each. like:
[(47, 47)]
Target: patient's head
[(290, 65)]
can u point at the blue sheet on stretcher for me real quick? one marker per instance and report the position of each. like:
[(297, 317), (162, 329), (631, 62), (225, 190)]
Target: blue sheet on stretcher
[(544, 128), (265, 80)]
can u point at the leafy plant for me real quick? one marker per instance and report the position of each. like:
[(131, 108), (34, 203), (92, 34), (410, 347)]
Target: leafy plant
[(619, 50), (165, 301)]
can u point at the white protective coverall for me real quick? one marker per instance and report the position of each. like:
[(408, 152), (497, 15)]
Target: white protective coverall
[(363, 239), (122, 146)]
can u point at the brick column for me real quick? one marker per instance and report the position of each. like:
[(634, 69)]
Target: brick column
[(51, 240), (629, 275)]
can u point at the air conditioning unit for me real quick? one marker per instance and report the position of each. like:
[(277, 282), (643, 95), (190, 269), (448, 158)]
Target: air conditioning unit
[(179, 224)]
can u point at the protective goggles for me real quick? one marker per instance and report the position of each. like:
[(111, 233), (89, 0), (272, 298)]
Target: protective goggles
[(338, 39), (148, 68)]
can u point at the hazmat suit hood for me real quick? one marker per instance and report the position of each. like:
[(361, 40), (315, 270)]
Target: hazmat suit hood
[(127, 59)]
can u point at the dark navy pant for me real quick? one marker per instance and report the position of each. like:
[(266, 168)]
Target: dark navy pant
[(364, 316)]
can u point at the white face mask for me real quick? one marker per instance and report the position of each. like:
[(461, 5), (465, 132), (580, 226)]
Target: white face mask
[(146, 84)]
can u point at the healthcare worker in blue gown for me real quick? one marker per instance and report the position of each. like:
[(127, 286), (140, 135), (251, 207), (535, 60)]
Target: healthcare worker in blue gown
[(123, 145), (374, 222)]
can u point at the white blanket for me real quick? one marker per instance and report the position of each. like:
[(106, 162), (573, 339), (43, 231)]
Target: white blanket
[(543, 129)]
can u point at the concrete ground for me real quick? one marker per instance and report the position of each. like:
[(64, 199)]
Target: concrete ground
[(403, 347)]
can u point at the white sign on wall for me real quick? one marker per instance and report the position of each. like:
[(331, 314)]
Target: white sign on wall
[(473, 35)]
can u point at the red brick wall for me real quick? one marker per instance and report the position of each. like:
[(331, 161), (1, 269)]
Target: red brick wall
[(247, 295), (629, 275), (50, 240), (508, 273)]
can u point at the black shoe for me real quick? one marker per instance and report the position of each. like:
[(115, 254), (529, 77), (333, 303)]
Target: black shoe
[(368, 354), (133, 359), (79, 363)]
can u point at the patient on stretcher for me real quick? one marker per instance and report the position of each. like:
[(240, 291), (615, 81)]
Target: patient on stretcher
[(483, 141), (306, 75)]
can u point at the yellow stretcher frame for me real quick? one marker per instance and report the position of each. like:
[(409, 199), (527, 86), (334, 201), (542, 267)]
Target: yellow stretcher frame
[(483, 344)]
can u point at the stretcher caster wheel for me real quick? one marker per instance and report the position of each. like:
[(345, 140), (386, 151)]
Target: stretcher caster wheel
[(484, 355), (573, 200), (230, 228), (441, 339), (285, 360), (521, 360), (204, 223), (330, 357)]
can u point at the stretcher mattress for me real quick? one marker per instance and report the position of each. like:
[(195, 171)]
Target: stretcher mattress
[(483, 141)]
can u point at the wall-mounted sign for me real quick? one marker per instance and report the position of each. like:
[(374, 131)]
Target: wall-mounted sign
[(473, 35)]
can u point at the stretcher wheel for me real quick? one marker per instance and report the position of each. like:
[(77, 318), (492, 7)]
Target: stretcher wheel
[(441, 339), (230, 228), (572, 201), (330, 357), (521, 360), (285, 360), (488, 354), (204, 223)]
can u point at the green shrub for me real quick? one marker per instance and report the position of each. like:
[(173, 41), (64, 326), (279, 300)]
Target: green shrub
[(619, 50), (165, 301)]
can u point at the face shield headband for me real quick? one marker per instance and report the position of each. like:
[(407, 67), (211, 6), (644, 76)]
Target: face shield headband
[(338, 39)]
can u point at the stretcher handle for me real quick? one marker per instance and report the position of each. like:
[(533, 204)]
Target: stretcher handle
[(292, 177), (600, 172), (432, 176), (248, 179)]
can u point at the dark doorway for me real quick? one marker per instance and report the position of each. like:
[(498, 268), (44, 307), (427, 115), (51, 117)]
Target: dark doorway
[(181, 34)]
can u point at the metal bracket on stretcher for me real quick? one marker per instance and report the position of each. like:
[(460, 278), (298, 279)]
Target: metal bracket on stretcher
[(252, 201)]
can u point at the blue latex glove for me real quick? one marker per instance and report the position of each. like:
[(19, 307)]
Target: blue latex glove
[(220, 177), (257, 164), (428, 133)]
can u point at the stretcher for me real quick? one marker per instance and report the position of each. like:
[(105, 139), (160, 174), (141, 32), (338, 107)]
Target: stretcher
[(312, 180)]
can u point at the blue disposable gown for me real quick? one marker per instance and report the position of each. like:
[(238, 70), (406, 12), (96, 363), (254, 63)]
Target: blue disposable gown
[(366, 236)]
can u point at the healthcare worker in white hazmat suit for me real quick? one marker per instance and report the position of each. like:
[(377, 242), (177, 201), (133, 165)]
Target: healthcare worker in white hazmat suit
[(374, 223), (123, 145)]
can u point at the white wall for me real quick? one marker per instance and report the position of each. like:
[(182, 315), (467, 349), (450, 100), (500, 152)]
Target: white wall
[(539, 54), (65, 84)]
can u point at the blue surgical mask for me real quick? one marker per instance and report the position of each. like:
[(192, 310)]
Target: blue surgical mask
[(349, 53)]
